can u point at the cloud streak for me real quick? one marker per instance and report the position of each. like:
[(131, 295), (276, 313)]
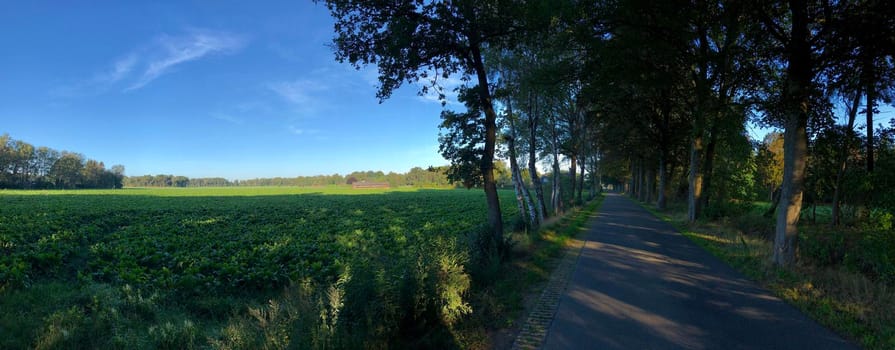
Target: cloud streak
[(120, 69), (171, 51), (299, 92), (141, 66), (227, 118)]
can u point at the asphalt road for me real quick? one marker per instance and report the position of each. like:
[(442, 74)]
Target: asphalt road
[(639, 284)]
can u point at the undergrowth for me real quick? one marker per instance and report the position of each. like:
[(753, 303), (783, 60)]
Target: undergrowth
[(499, 299)]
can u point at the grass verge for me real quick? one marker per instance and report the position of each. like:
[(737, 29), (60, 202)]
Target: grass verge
[(845, 301), (501, 307)]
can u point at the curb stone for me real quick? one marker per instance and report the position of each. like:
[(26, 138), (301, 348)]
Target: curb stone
[(534, 332)]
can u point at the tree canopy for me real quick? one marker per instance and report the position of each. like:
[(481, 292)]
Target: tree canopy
[(652, 98)]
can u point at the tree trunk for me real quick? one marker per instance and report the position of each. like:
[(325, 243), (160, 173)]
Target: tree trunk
[(663, 182), (556, 196), (573, 173), (495, 219), (870, 82), (795, 153), (643, 186), (647, 185), (650, 184), (517, 189), (843, 159), (581, 180), (517, 173), (518, 185), (694, 195), (694, 188), (795, 139), (775, 202), (638, 185), (532, 212), (595, 177), (533, 160), (708, 165), (598, 178)]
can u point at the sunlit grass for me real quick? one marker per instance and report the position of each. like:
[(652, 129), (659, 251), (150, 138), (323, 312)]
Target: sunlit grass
[(501, 307)]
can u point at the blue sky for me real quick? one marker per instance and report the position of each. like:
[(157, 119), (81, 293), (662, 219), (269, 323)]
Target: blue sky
[(206, 88), (200, 88)]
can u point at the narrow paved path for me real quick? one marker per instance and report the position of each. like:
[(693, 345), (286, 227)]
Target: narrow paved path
[(639, 284)]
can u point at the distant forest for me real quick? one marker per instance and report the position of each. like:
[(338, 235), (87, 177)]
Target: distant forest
[(416, 177), (24, 166)]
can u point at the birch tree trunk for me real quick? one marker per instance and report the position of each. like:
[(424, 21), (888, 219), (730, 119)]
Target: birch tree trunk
[(533, 158), (517, 189), (573, 172), (581, 180), (519, 184), (556, 196)]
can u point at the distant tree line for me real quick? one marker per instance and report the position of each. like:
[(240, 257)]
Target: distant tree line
[(430, 177), (25, 166)]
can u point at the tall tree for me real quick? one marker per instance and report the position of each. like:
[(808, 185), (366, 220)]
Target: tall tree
[(412, 40), (721, 71), (799, 30), (67, 170)]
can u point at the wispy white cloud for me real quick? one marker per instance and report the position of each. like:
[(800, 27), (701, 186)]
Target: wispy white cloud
[(227, 118), (317, 93), (148, 62), (320, 88), (174, 50), (120, 69), (299, 92), (302, 131), (100, 82)]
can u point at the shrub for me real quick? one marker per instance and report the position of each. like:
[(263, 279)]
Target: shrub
[(396, 290), (879, 220), (722, 209), (822, 246), (868, 251), (62, 329), (754, 224), (484, 258), (875, 255)]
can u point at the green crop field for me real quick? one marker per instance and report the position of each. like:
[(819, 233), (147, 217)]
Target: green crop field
[(189, 246)]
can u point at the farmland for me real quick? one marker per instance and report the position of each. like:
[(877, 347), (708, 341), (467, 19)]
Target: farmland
[(104, 268)]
